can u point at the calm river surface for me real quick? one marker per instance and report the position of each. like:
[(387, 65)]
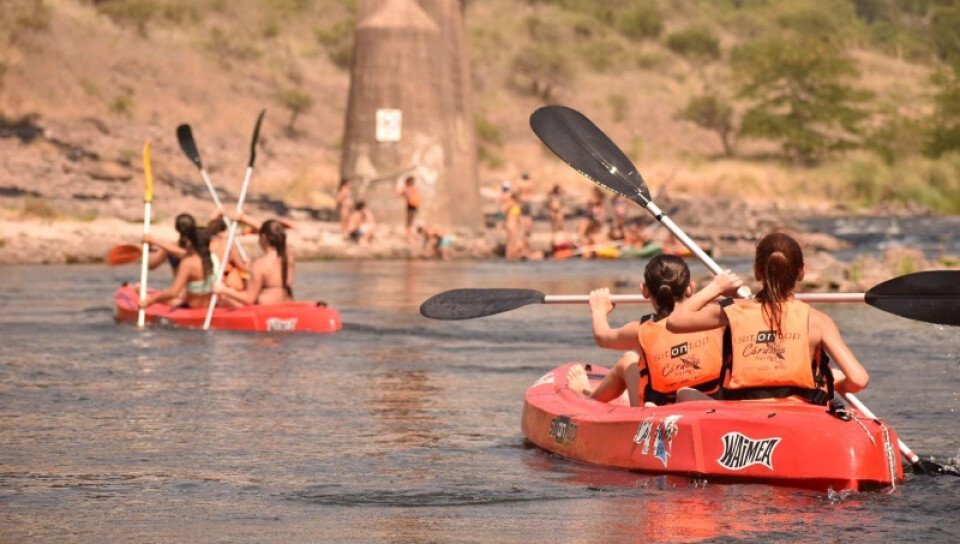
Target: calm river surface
[(397, 429)]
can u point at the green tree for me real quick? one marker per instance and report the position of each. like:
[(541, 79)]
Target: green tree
[(713, 113), (945, 33), (297, 101), (540, 69), (798, 94), (945, 122)]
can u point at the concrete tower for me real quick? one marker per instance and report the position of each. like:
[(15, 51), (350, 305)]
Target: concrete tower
[(410, 111)]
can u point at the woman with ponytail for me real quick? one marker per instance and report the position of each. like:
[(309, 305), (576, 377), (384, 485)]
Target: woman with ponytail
[(659, 364), (193, 283), (776, 346), (271, 275)]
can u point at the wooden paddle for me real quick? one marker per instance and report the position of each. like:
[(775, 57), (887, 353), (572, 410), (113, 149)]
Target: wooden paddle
[(933, 297), (145, 260), (922, 296), (124, 254), (232, 230)]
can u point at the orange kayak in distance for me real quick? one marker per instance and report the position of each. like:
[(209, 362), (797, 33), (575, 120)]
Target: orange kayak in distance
[(776, 442), (309, 317)]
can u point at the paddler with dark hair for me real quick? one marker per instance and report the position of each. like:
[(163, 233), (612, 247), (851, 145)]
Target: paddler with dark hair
[(271, 274), (660, 363), (776, 344), (171, 252), (195, 275)]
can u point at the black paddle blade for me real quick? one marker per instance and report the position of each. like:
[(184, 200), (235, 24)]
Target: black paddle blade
[(471, 303), (933, 468), (188, 145), (933, 297), (585, 147), (256, 136)]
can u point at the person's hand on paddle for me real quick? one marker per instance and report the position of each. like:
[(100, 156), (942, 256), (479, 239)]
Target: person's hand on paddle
[(149, 239), (726, 283), (600, 301)]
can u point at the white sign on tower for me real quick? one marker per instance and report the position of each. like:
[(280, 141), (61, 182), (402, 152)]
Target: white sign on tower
[(389, 124)]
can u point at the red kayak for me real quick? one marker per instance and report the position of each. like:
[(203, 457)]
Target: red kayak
[(777, 442), (287, 317)]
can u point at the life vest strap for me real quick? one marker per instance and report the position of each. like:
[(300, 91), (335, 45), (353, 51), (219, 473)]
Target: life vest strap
[(814, 396)]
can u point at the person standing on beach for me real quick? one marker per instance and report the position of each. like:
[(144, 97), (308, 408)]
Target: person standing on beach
[(408, 190), (555, 209)]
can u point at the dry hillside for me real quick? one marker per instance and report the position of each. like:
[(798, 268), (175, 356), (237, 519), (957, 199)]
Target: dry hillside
[(86, 82)]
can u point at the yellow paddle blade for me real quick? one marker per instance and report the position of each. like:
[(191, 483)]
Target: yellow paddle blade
[(148, 194)]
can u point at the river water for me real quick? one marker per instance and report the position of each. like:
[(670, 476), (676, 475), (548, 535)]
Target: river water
[(398, 428)]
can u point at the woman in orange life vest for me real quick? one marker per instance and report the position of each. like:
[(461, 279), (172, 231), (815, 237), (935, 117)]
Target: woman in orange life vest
[(664, 362), (271, 275), (775, 342)]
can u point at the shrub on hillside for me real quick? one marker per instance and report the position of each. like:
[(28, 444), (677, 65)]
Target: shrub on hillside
[(489, 142), (337, 41), (602, 55), (619, 107), (934, 184), (540, 69), (945, 33), (296, 101), (945, 121), (641, 21), (696, 43), (711, 112), (139, 13)]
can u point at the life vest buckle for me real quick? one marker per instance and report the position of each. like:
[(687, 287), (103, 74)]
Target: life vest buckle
[(838, 410)]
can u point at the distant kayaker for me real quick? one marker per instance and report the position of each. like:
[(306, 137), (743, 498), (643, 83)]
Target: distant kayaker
[(195, 275), (659, 362), (170, 252), (776, 343), (236, 273), (271, 274)]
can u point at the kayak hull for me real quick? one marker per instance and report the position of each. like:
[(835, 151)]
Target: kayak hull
[(776, 442), (287, 317)]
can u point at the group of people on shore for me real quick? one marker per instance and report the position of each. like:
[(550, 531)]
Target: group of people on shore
[(358, 224), (605, 228), (771, 347), (196, 258)]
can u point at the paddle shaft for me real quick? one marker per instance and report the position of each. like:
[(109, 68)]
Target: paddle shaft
[(639, 299), (231, 233), (707, 260), (219, 205), (145, 248), (144, 265)]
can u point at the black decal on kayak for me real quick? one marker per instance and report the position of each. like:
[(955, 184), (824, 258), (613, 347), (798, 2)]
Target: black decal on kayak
[(563, 430), (741, 451)]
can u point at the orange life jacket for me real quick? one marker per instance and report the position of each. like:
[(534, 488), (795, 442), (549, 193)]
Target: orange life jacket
[(413, 197), (675, 360), (760, 362)]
